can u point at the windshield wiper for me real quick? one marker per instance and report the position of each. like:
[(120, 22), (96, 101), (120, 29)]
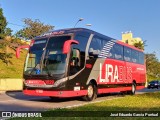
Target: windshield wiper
[(34, 68), (49, 74)]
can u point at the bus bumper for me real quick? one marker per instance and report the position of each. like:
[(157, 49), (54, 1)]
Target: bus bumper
[(62, 94)]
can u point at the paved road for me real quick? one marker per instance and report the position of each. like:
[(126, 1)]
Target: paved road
[(16, 101)]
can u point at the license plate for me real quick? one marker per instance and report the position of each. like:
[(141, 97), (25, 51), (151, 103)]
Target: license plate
[(39, 91)]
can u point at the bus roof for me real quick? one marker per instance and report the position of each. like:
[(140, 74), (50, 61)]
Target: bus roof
[(71, 30), (75, 30)]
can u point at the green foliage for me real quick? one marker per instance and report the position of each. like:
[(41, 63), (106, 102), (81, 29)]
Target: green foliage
[(3, 24), (5, 57), (151, 77), (5, 46), (33, 29), (8, 32), (140, 45), (152, 66)]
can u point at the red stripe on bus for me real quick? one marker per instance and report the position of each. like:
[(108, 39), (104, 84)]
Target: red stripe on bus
[(120, 89)]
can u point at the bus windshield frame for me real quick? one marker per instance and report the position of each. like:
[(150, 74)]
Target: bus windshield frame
[(45, 57)]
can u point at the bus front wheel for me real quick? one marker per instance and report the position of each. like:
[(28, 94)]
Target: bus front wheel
[(91, 92)]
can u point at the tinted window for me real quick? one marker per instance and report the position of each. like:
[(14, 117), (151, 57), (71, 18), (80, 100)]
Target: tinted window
[(81, 48), (127, 54), (96, 46), (118, 52), (56, 43), (82, 42), (38, 45), (141, 58), (111, 53), (54, 60), (134, 56)]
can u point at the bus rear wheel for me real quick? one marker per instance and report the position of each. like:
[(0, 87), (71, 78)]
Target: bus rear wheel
[(91, 92), (133, 89)]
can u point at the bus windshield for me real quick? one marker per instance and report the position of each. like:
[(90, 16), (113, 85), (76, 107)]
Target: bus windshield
[(46, 57)]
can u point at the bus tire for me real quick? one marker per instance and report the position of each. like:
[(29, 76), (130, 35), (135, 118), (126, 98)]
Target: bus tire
[(91, 92), (133, 89)]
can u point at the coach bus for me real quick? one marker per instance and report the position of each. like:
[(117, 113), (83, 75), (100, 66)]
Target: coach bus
[(81, 62)]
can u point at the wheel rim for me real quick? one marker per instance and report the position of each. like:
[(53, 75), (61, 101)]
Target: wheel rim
[(90, 91), (133, 88)]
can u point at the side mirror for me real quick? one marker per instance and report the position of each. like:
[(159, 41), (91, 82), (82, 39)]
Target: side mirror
[(18, 50), (67, 45)]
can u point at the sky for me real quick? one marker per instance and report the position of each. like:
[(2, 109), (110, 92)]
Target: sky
[(109, 17)]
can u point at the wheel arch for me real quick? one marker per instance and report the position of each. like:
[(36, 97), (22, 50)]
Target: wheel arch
[(134, 81), (93, 81)]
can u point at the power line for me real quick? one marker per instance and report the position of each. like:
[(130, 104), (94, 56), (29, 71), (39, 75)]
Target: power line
[(16, 24)]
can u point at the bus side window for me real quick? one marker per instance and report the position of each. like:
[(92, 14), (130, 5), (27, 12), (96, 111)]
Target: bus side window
[(141, 58), (134, 56), (118, 52), (127, 54), (94, 53), (95, 47), (83, 39), (112, 53)]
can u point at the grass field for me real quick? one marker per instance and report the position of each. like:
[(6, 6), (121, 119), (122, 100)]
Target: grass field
[(16, 69), (142, 103)]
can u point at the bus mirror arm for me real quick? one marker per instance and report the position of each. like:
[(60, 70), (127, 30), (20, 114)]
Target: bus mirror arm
[(67, 45), (18, 50)]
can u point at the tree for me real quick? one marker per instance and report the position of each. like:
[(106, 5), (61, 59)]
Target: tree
[(140, 45), (3, 24), (152, 66), (8, 32), (4, 55), (4, 43), (33, 29)]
